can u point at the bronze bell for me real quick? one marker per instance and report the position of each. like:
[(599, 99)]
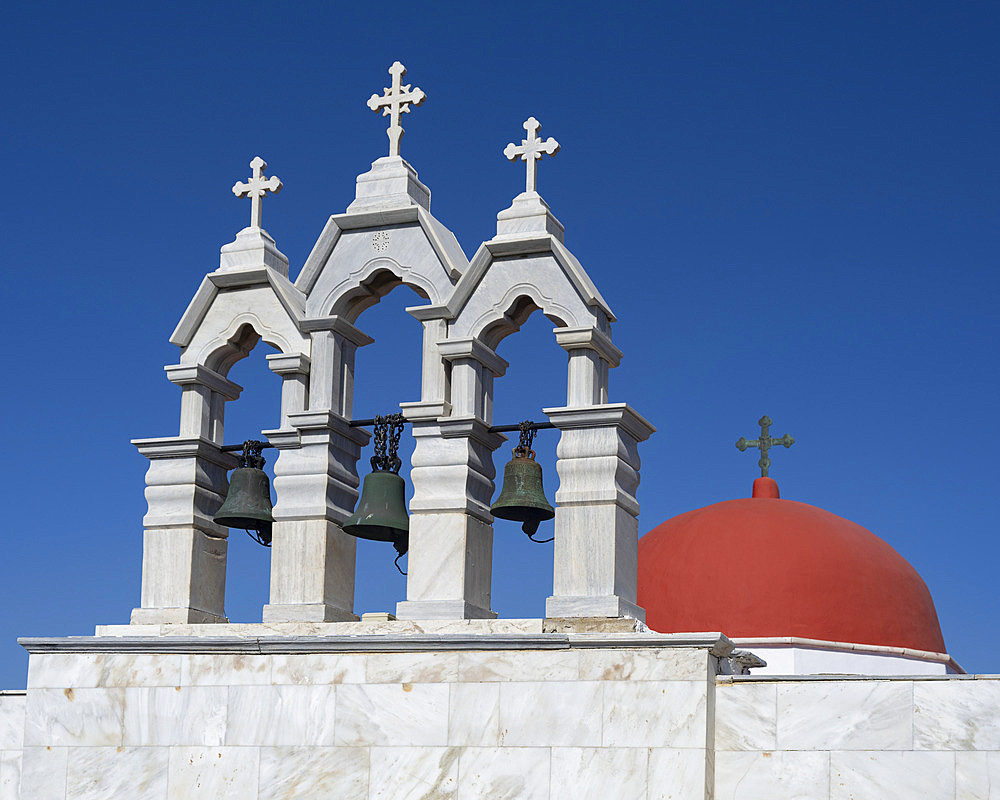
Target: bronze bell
[(522, 497), (381, 512), (248, 501)]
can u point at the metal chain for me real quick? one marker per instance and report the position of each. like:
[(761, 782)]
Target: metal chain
[(251, 454), (525, 439), (388, 429)]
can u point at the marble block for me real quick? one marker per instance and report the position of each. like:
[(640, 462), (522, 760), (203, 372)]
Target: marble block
[(956, 715), (313, 773), (412, 667), (745, 716), (221, 669), (599, 773), (318, 668), (99, 773), (10, 775), (977, 775), (774, 775), (99, 670), (213, 772), (74, 717), (12, 721), (413, 773), (504, 773), (892, 775), (653, 664), (520, 665), (847, 715), (551, 714), (474, 714), (176, 715), (408, 714), (655, 713), (43, 773), (281, 715), (677, 775)]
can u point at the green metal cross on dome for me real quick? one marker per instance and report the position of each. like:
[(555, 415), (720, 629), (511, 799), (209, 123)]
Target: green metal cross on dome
[(765, 442)]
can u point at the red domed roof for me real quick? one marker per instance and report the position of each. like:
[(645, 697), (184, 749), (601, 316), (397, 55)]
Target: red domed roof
[(763, 567)]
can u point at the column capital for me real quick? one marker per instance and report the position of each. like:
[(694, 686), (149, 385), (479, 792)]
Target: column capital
[(187, 374), (290, 364), (457, 349), (620, 415), (338, 325), (588, 338), (185, 447)]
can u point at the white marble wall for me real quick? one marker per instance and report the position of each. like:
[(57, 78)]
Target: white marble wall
[(11, 741), (587, 720), (838, 738), (566, 723)]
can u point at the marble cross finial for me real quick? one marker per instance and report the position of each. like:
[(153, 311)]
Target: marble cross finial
[(765, 443), (396, 100), (531, 150), (256, 188)]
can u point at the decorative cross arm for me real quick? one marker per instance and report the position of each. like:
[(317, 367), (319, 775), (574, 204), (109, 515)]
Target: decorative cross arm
[(256, 188), (765, 443)]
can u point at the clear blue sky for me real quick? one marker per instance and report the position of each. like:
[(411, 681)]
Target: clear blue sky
[(791, 207)]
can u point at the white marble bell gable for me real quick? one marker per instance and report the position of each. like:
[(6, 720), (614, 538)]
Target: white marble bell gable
[(442, 701)]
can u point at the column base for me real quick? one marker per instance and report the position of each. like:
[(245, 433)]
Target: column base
[(306, 612), (606, 606), (167, 616), (441, 609)]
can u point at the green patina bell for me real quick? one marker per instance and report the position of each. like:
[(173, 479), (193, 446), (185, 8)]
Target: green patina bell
[(381, 512), (522, 497), (248, 503)]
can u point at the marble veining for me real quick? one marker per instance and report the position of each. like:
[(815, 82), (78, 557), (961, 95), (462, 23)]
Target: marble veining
[(954, 716), (281, 715), (414, 714), (100, 773), (474, 714), (318, 668), (551, 714), (503, 773), (977, 775), (676, 774), (178, 715), (599, 773), (413, 773), (224, 669), (68, 717), (654, 664), (412, 667), (745, 716), (655, 714), (520, 665), (774, 776), (848, 715), (892, 775), (313, 773)]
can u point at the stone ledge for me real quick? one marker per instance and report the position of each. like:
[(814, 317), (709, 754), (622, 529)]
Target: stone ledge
[(374, 643)]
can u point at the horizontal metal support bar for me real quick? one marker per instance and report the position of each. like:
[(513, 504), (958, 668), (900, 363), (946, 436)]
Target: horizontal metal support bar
[(367, 423)]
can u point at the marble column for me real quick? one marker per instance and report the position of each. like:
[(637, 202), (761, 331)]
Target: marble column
[(183, 550), (596, 525), (316, 482), (451, 534)]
